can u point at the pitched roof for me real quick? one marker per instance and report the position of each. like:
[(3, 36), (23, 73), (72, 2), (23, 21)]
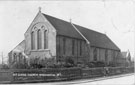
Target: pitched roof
[(63, 27), (96, 39), (20, 47)]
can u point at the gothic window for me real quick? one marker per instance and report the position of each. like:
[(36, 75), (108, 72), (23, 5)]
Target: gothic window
[(15, 57), (80, 48), (20, 57), (113, 54), (73, 47), (58, 45), (64, 45), (95, 54), (106, 55), (32, 40), (45, 39), (39, 39)]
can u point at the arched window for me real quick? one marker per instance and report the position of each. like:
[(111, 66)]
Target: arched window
[(80, 48), (20, 57), (64, 45), (15, 57), (39, 39), (106, 55), (45, 39), (32, 40), (95, 54), (73, 47)]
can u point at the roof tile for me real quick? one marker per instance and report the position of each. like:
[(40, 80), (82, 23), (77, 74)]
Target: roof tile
[(96, 39)]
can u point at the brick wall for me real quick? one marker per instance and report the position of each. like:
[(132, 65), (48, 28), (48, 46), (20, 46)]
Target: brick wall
[(80, 58), (77, 56)]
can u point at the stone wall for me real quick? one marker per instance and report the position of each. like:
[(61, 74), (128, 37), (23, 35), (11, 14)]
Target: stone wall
[(14, 54), (37, 23)]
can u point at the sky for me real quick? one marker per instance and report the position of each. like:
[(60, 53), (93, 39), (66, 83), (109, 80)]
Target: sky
[(115, 18)]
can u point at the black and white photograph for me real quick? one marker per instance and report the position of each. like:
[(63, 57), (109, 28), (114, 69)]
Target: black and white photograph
[(67, 42)]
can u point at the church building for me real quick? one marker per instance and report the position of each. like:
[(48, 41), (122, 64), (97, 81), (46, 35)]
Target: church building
[(50, 37)]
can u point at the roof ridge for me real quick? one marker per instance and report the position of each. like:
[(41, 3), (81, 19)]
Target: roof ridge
[(73, 24), (55, 18)]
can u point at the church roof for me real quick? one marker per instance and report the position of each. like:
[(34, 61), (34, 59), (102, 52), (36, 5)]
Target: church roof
[(63, 27), (96, 39), (20, 47)]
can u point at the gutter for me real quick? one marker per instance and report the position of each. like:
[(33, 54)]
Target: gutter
[(80, 33), (87, 41)]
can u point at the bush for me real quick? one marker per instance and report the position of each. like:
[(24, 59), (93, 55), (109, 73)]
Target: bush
[(111, 64), (50, 63), (90, 64), (19, 65), (4, 66), (69, 62), (100, 64), (36, 66), (42, 63), (96, 64), (81, 65)]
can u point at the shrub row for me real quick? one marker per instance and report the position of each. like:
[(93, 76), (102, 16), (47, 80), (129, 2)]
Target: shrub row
[(61, 73)]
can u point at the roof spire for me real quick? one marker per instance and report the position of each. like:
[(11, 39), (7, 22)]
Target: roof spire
[(39, 9)]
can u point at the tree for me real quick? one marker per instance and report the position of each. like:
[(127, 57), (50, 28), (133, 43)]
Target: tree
[(69, 62)]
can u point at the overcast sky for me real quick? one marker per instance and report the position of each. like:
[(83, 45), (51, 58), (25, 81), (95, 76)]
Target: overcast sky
[(115, 18)]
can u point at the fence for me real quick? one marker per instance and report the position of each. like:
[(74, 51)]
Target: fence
[(120, 70), (5, 75), (92, 72), (53, 74), (46, 74)]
